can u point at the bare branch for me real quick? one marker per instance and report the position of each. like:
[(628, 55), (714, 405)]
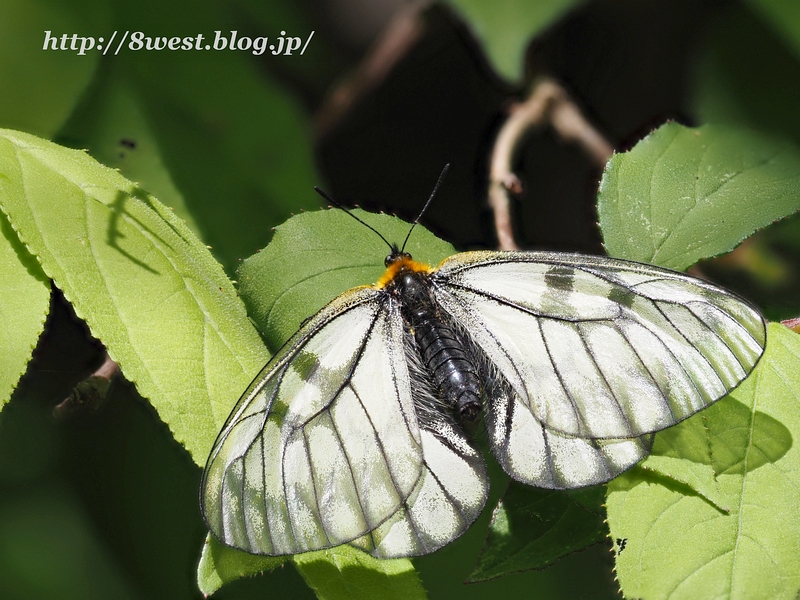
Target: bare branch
[(547, 103), (502, 179), (572, 126), (402, 32), (91, 392)]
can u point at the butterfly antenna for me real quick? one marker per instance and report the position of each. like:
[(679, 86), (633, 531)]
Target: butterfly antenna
[(347, 210), (424, 208)]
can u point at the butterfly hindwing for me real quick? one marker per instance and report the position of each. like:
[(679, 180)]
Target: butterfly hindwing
[(538, 456), (448, 498), (598, 348)]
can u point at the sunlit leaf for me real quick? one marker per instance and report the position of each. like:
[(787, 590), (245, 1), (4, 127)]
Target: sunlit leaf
[(744, 542), (24, 303), (684, 194), (148, 289)]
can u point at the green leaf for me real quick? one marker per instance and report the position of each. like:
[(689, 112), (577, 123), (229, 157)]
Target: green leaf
[(112, 126), (533, 528), (236, 144), (679, 544), (24, 303), (40, 87), (148, 289), (316, 256), (346, 573), (784, 16), (506, 27), (694, 455), (684, 194), (221, 564)]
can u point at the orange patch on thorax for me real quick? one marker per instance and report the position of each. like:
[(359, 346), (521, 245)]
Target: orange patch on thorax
[(402, 264)]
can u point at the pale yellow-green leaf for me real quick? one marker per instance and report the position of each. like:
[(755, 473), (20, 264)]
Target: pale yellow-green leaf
[(148, 289), (24, 303)]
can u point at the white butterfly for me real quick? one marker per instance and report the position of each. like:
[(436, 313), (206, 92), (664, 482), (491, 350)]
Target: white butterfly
[(352, 433)]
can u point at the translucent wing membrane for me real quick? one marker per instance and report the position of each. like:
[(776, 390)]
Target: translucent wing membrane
[(325, 447), (596, 348), (447, 499), (533, 454)]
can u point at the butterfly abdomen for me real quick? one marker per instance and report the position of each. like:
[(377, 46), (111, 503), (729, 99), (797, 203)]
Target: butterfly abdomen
[(441, 348)]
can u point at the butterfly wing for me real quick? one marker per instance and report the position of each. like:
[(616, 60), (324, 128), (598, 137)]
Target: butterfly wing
[(324, 445), (536, 455), (594, 352), (446, 501), (453, 487)]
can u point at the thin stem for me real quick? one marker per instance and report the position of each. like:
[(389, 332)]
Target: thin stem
[(547, 102), (403, 31), (91, 392)]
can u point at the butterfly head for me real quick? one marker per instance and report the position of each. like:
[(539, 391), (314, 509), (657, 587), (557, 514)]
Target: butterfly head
[(397, 263), (396, 255)]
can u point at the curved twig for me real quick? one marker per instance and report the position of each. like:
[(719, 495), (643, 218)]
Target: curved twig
[(549, 103)]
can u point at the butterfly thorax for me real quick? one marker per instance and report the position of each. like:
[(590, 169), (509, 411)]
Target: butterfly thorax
[(441, 346)]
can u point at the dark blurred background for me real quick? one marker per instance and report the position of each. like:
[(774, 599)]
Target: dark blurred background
[(103, 503)]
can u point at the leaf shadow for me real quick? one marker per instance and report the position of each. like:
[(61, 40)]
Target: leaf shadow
[(534, 528), (640, 474), (728, 437), (118, 208), (114, 235)]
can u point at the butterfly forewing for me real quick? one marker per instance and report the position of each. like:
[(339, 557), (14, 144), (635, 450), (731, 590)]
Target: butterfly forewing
[(598, 348), (325, 445)]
